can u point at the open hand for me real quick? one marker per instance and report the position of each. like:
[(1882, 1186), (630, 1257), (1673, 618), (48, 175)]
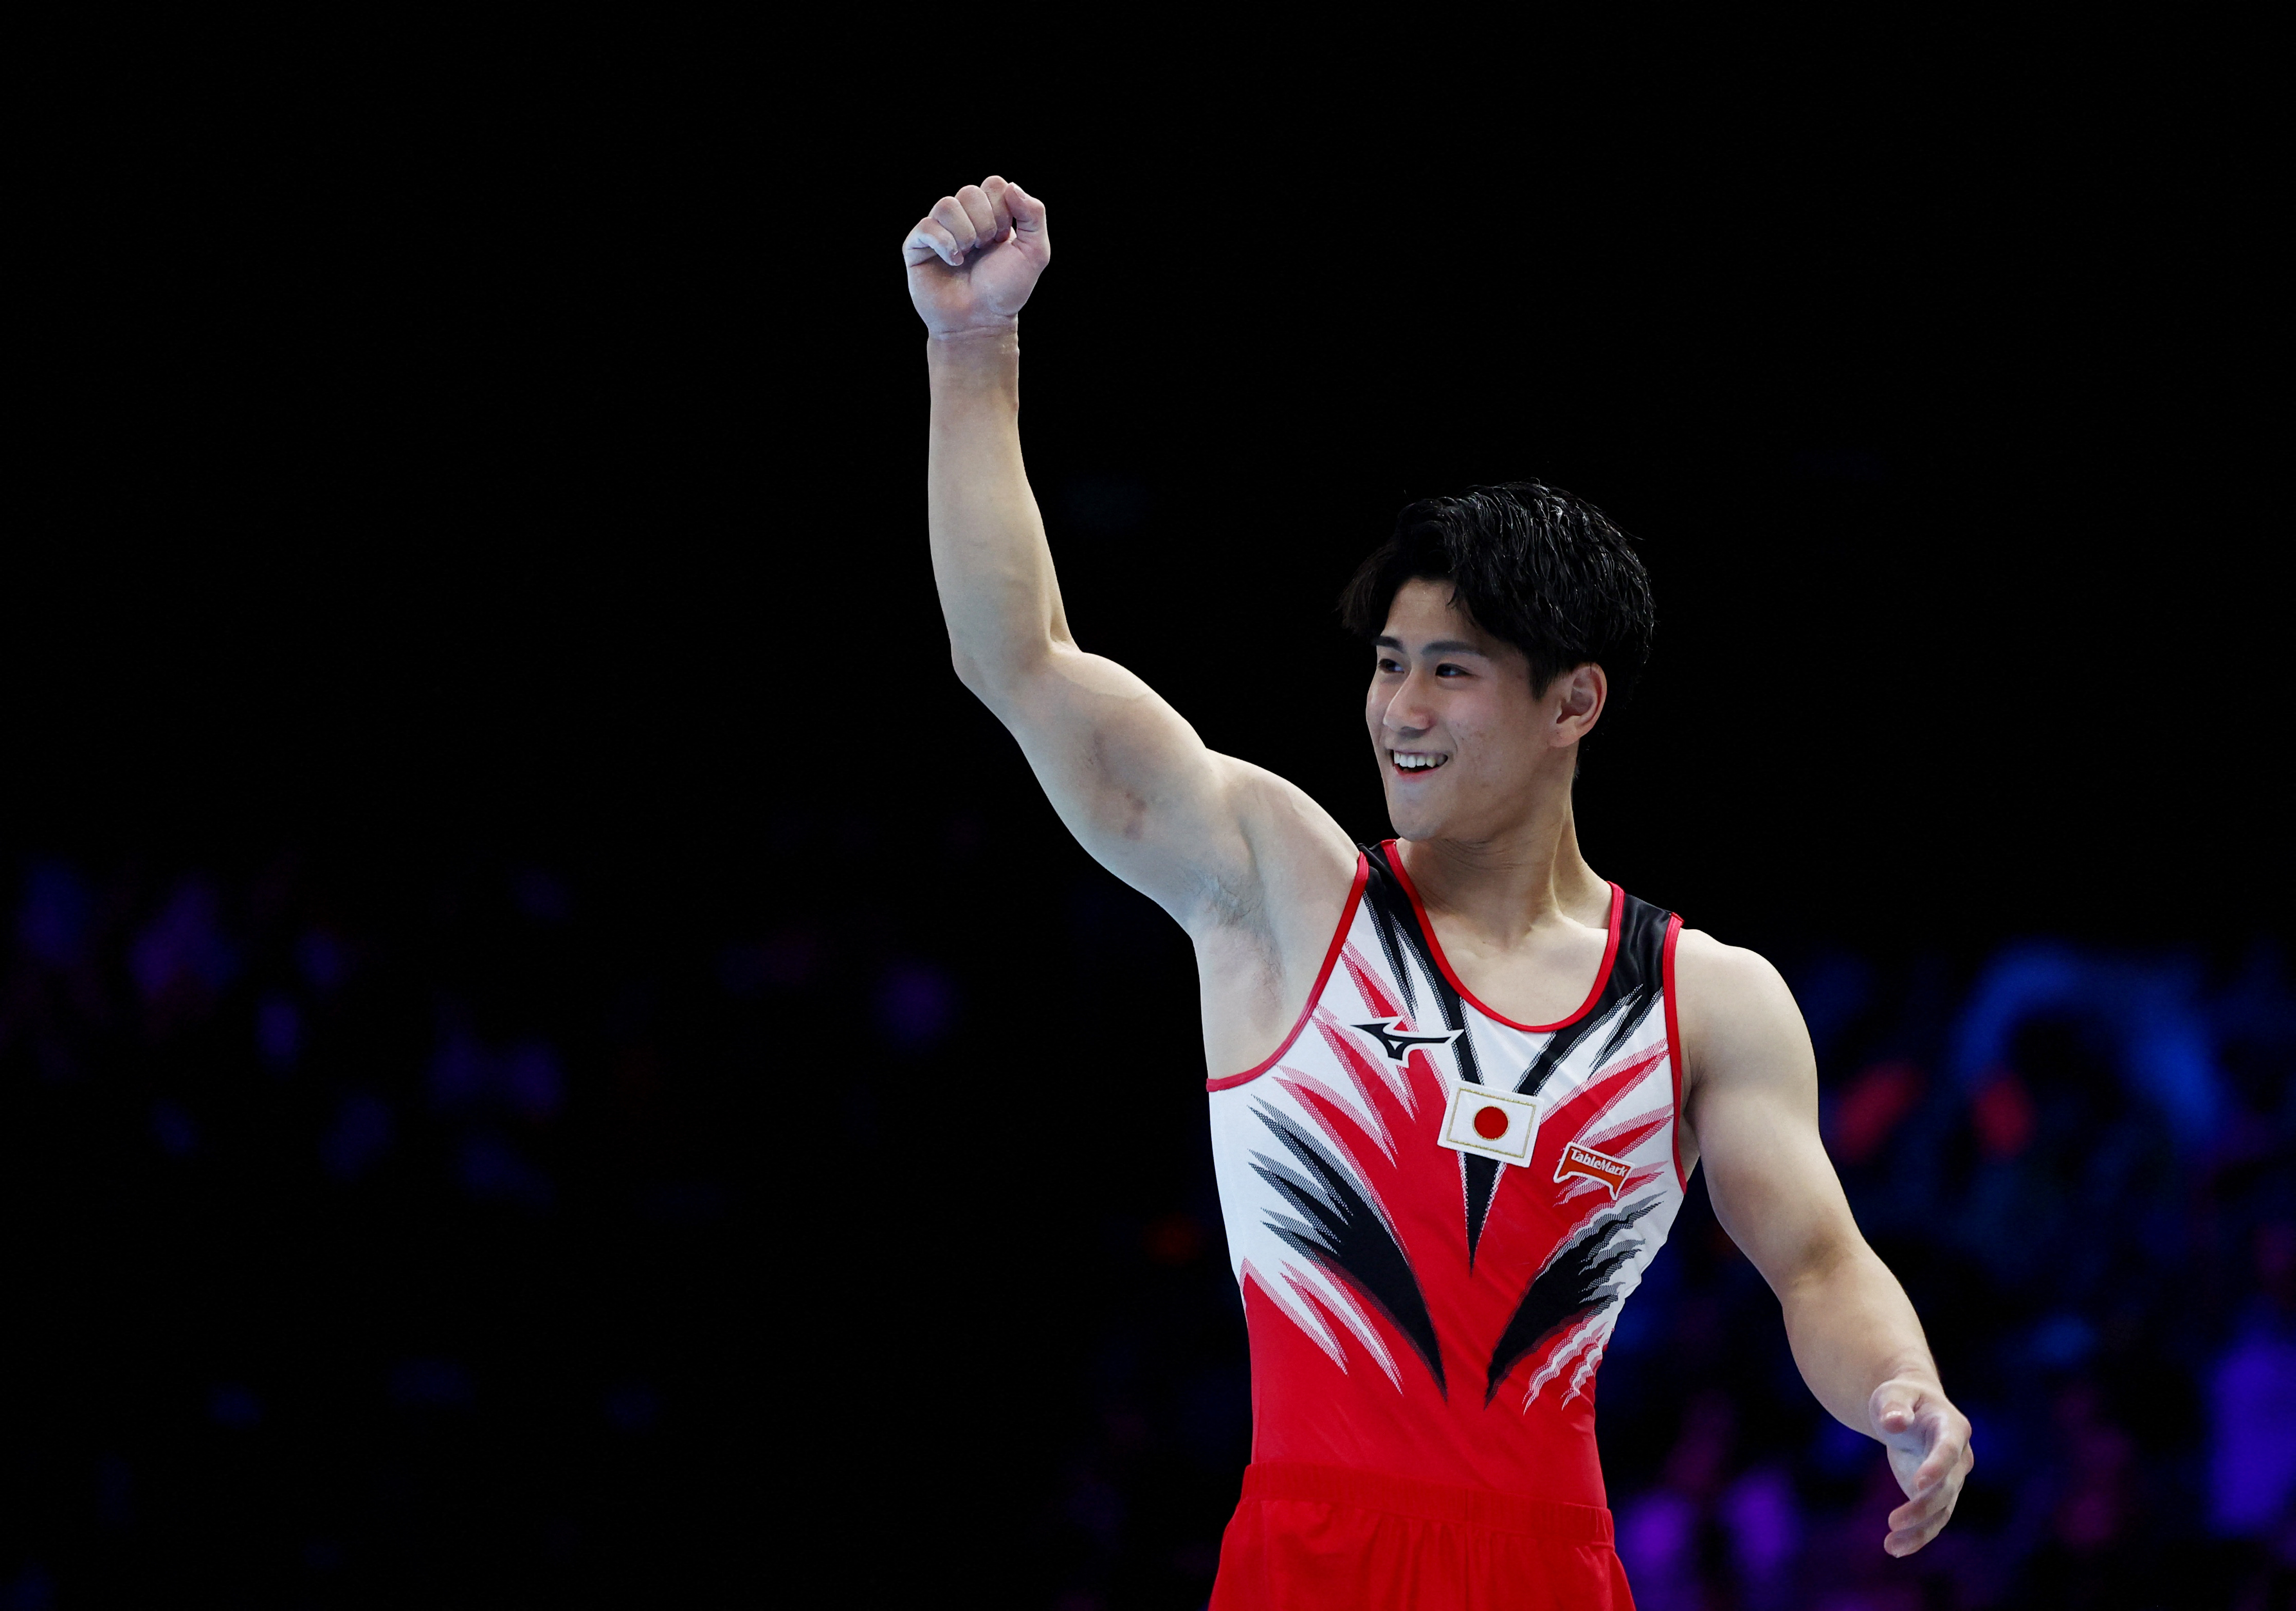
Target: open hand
[(974, 258), (1928, 1441)]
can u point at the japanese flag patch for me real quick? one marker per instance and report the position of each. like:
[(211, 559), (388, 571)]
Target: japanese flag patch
[(1490, 1123)]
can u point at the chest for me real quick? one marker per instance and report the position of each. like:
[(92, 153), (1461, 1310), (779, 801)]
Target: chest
[(1538, 979)]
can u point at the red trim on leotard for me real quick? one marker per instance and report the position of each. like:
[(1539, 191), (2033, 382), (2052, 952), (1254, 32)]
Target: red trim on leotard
[(1673, 1040), (1427, 927), (1331, 957)]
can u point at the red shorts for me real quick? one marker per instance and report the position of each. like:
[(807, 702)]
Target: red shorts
[(1325, 1538)]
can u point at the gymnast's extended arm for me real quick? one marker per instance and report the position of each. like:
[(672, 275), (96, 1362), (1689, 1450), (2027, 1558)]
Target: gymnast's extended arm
[(1209, 838), (1750, 1093)]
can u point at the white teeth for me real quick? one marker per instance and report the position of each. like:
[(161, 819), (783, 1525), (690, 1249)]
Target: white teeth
[(1411, 762)]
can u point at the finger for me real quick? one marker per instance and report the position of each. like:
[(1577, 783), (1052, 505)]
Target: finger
[(1902, 1544), (1944, 1462), (1028, 213), (1921, 1520), (928, 240), (994, 188), (975, 202), (950, 215), (1910, 1534), (1913, 1525), (1930, 1509), (1895, 1413)]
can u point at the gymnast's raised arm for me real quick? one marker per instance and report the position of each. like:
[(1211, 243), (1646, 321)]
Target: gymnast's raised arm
[(1217, 843)]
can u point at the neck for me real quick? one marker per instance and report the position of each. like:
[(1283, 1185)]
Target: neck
[(1507, 883)]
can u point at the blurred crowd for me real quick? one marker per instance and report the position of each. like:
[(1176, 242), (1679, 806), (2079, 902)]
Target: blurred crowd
[(359, 1247), (411, 1236)]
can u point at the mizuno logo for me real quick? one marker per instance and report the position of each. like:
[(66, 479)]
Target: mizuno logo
[(1398, 1041)]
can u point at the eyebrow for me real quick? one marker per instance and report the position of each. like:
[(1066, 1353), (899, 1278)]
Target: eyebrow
[(1446, 646)]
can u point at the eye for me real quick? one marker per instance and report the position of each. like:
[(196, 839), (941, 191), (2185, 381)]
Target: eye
[(1450, 671), (1390, 665)]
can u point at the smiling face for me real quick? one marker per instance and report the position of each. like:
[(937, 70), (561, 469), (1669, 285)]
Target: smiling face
[(1466, 751)]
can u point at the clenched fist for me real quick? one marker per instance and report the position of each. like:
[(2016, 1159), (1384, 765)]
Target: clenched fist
[(974, 258)]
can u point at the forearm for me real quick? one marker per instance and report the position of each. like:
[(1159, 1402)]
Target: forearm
[(991, 560), (1852, 1329), (1753, 1106)]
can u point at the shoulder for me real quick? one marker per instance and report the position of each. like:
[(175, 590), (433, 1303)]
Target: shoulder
[(1724, 976), (1734, 1008), (1275, 806)]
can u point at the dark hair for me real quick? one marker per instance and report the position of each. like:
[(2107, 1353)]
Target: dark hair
[(1537, 567)]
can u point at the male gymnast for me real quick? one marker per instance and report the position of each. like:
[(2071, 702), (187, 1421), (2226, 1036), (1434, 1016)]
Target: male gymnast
[(1459, 1081)]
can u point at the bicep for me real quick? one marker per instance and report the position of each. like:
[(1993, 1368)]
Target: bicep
[(1132, 781), (1753, 1110)]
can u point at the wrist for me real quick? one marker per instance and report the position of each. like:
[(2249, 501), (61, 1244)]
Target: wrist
[(979, 354), (1914, 1372), (996, 334)]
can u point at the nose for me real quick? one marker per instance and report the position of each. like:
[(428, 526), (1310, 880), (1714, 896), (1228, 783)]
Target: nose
[(1407, 715)]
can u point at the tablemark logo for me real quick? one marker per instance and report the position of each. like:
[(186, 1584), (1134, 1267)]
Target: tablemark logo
[(1585, 1162)]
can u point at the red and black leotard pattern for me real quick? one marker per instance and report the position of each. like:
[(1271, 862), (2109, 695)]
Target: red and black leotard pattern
[(1425, 1313)]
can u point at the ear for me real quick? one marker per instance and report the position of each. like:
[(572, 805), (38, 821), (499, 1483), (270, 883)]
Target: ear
[(1577, 699)]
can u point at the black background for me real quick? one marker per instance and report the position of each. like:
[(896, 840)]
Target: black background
[(442, 457), (509, 445)]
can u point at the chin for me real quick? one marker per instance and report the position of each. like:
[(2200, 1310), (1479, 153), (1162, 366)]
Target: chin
[(1414, 821)]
